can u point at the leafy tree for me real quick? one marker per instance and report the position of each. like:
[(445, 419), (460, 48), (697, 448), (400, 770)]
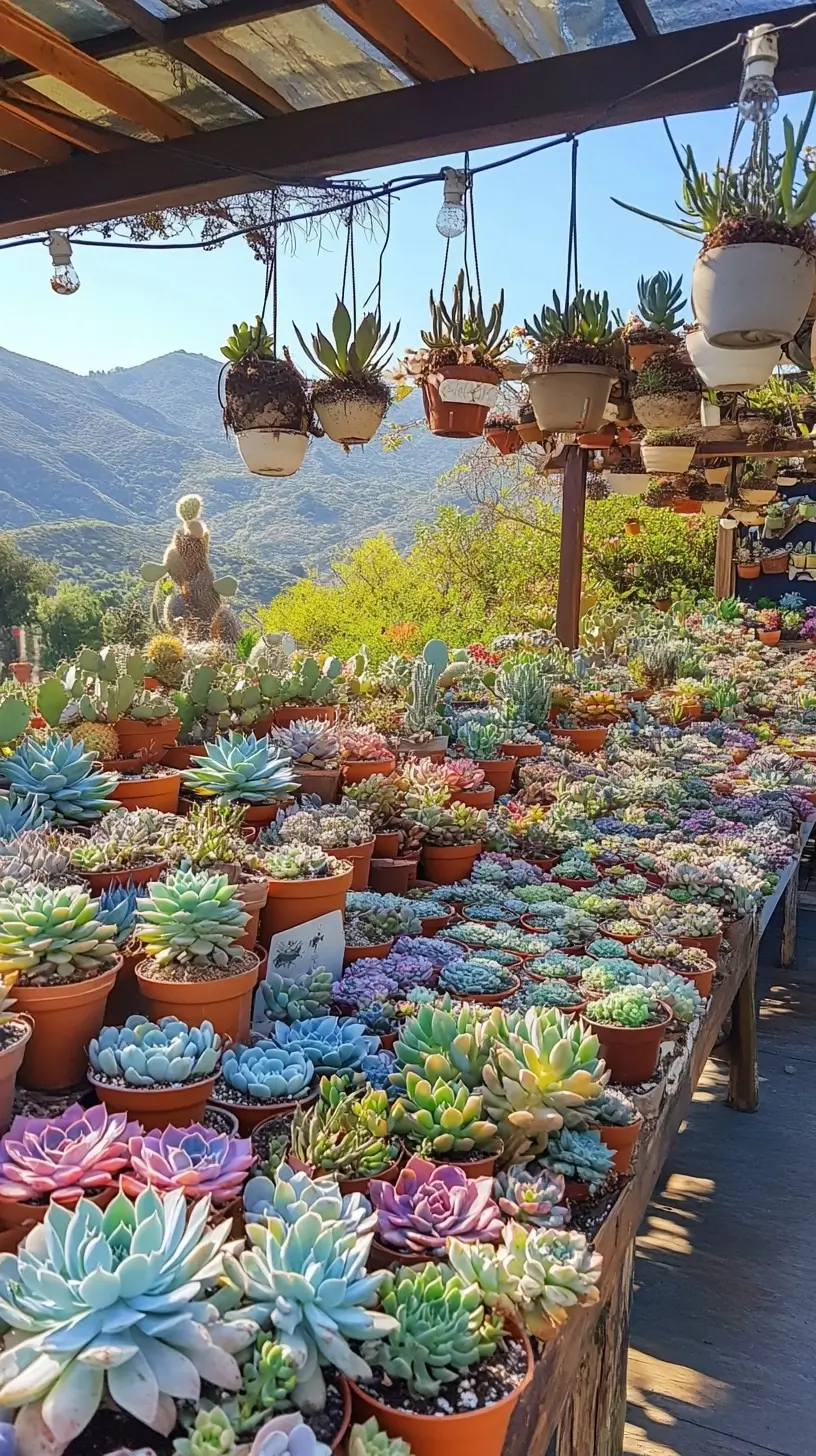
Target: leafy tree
[(127, 613), (22, 579), (68, 620)]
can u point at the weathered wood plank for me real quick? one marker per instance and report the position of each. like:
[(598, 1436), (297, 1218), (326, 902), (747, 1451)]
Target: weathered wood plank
[(787, 951), (593, 1424)]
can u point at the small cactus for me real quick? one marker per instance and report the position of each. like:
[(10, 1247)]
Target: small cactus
[(195, 609)]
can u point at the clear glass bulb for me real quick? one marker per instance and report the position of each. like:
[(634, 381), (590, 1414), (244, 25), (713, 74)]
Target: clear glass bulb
[(65, 280), (759, 99), (450, 221)]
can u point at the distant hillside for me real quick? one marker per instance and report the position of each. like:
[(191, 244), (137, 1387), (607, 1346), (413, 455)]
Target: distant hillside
[(91, 467)]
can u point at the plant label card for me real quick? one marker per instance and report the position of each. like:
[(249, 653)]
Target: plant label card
[(294, 954), (468, 391)]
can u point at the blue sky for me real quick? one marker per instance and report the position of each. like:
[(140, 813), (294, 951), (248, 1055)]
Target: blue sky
[(133, 306)]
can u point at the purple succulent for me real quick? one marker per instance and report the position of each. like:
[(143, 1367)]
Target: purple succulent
[(430, 1203), (198, 1161), (82, 1151), (412, 970), (436, 950), (532, 1195), (366, 980)]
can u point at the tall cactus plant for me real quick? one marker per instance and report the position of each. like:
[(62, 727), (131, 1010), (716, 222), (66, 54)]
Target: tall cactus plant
[(195, 609)]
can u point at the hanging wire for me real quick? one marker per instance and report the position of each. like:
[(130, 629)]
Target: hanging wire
[(469, 200), (377, 289), (572, 235), (270, 278)]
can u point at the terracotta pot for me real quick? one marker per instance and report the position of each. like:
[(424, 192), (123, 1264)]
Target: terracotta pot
[(499, 772), (390, 876), (386, 846), (259, 815), (476, 1168), (709, 943), (10, 1062), (249, 1118), (359, 857), (622, 1141), (285, 717), (640, 354), (584, 740), (684, 506), (545, 864), (462, 415), (182, 756), (21, 672), (769, 638), (99, 880), (370, 952), (530, 432), (447, 863), (573, 882), (252, 895), (19, 1218), (293, 902), (226, 1001), (630, 1052), (432, 924), (159, 793), (354, 771), (703, 979), (521, 750), (157, 1107), (126, 998), (748, 573), (65, 1020), (506, 440), (324, 782), (475, 798), (496, 997), (346, 1185), (136, 736), (575, 1191), (468, 1433), (632, 528)]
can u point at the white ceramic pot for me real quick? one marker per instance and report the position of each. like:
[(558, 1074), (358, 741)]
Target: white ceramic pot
[(667, 411), (713, 508), (571, 396), (755, 495), (717, 474), (667, 459), (626, 484), (272, 452), (731, 370), (751, 295), (352, 421)]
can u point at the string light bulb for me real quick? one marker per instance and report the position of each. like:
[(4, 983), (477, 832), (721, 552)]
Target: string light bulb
[(64, 279), (450, 221), (759, 98)]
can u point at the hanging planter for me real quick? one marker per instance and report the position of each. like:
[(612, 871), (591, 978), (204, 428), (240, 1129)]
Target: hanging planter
[(668, 452), (528, 427), (351, 400), (730, 370), (571, 375), (501, 432), (651, 334), (626, 483), (458, 398), (751, 295), (666, 394), (265, 403), (457, 367)]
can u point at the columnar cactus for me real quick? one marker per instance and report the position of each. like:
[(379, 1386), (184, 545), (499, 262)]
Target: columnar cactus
[(195, 610)]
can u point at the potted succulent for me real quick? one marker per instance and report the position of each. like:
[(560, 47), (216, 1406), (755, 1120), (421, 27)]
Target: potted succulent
[(501, 431), (124, 849), (198, 1161), (346, 1134), (78, 1153), (60, 778), (422, 721), (466, 783), (190, 926), (303, 883), (668, 452), (774, 560), (667, 393), (748, 556), (532, 1196), (242, 769), (653, 332), (457, 367), (478, 979), (628, 475), (444, 1121), (307, 689), (452, 840), (619, 1123), (352, 397), (15, 1033), (629, 1024), (427, 1205), (479, 737), (67, 962), (363, 753), (286, 1000), (342, 828), (313, 747), (754, 276), (262, 1081), (576, 361), (769, 626), (266, 405), (582, 1159)]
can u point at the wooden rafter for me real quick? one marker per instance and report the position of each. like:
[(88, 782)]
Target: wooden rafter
[(398, 35), (44, 48), (471, 43), (639, 17), (47, 114), (605, 86), (29, 137)]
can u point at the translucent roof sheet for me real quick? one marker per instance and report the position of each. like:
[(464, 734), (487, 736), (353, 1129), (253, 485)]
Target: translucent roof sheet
[(75, 19), (682, 14), (534, 29)]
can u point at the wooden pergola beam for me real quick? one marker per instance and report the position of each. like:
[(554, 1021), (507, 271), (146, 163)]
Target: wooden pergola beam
[(52, 55), (511, 105), (471, 43), (47, 114), (18, 131), (393, 30), (639, 18)]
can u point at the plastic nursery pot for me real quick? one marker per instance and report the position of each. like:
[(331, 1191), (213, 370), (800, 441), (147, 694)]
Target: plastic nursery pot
[(285, 717), (373, 952), (160, 793), (475, 798), (432, 924), (449, 863), (769, 638), (19, 1217), (571, 882), (157, 1107), (11, 1058), (349, 421), (252, 895), (250, 1118), (702, 980), (386, 845), (748, 573), (458, 399), (182, 756), (293, 902), (621, 1141), (65, 1020), (494, 998), (126, 998), (521, 750), (359, 857), (709, 943), (226, 1001), (630, 1052), (390, 876), (545, 864), (462, 1434), (751, 294), (356, 770), (99, 880), (324, 782), (499, 772), (584, 740)]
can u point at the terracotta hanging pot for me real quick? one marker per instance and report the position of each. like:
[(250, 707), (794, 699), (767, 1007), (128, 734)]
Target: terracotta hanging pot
[(499, 772), (146, 739), (354, 771), (630, 1052), (751, 295), (226, 1001), (293, 902), (458, 398), (272, 452), (65, 1020), (157, 1107), (503, 438), (161, 793), (448, 863), (11, 1058)]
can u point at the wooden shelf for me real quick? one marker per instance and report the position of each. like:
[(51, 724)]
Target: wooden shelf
[(730, 449)]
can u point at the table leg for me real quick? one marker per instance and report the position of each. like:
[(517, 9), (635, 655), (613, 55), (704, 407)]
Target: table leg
[(790, 904), (744, 1088), (593, 1423)]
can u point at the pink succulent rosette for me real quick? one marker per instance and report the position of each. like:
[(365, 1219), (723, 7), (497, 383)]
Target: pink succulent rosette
[(363, 745), (196, 1160), (82, 1151), (430, 1203)]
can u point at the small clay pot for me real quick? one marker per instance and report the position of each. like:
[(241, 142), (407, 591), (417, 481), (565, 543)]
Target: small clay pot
[(249, 1118), (390, 876), (621, 1141), (584, 740), (354, 771), (157, 1107), (99, 880), (161, 792), (709, 943), (373, 952), (226, 1001), (252, 895), (359, 857), (11, 1058), (521, 750), (293, 902), (475, 798), (630, 1052), (499, 772), (448, 863), (183, 756), (285, 717), (65, 1019), (324, 782), (137, 737), (386, 845)]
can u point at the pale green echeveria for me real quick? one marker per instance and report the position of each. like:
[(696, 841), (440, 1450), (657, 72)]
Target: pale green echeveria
[(445, 1042), (289, 1195), (307, 1280), (145, 1053), (191, 918), (369, 1440), (537, 1275), (113, 1303)]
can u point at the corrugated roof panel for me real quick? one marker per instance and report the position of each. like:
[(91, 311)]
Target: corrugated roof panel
[(75, 19), (531, 30), (682, 14), (310, 58)]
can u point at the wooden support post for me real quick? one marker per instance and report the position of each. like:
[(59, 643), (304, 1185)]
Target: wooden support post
[(571, 563), (724, 560), (743, 1094), (593, 1423), (790, 905)]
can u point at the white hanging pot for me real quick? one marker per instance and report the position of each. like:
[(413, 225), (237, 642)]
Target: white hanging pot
[(751, 295), (625, 484), (571, 396), (272, 452), (352, 421), (668, 411), (667, 459), (731, 370), (713, 508), (717, 474)]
